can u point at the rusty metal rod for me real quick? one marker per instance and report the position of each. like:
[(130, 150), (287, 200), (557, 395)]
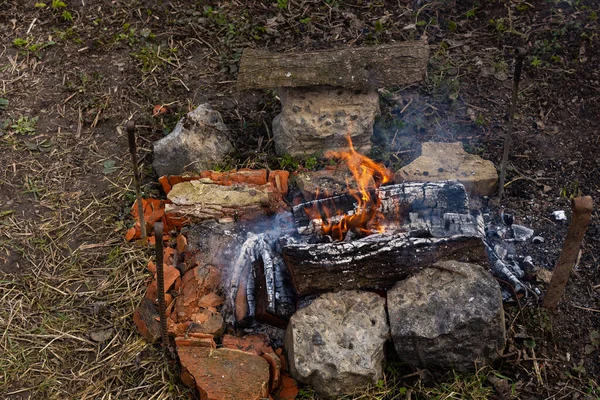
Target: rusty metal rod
[(520, 56), (130, 129), (160, 282), (582, 213)]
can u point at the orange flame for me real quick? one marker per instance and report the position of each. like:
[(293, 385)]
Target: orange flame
[(367, 218)]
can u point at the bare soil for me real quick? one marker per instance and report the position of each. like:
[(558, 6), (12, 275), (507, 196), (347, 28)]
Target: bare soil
[(84, 67)]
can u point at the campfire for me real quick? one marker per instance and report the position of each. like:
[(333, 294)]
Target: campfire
[(226, 277), (366, 218)]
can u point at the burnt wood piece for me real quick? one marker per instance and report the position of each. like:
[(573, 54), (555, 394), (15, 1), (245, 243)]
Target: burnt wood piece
[(436, 204), (353, 68), (376, 262), (264, 306)]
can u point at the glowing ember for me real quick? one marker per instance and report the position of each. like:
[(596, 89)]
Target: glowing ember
[(367, 218)]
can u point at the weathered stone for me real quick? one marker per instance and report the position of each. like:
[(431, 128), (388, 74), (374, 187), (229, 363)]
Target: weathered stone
[(449, 317), (336, 343), (146, 320), (201, 199), (221, 374), (316, 119), (198, 142), (449, 162)]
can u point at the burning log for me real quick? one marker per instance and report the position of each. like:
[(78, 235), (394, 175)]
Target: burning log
[(374, 262), (431, 206), (424, 223)]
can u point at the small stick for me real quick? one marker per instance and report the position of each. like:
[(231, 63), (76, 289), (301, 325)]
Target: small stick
[(520, 56), (160, 282), (130, 128), (582, 213)]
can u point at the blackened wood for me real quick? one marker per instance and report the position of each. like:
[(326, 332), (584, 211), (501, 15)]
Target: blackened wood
[(262, 298), (582, 213), (431, 200), (376, 262), (353, 67)]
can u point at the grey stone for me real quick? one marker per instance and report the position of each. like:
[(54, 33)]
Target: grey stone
[(198, 142), (336, 343), (448, 317), (316, 119)]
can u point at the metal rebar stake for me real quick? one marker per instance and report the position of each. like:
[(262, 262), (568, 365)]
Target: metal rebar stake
[(130, 129), (160, 283), (520, 56)]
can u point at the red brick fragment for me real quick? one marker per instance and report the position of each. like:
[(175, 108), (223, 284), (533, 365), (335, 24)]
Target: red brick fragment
[(171, 274), (250, 343), (181, 243), (289, 391), (226, 373), (274, 368), (146, 320), (210, 300), (196, 340), (279, 179)]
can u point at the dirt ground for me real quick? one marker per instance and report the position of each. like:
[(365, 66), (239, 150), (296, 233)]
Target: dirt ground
[(73, 71)]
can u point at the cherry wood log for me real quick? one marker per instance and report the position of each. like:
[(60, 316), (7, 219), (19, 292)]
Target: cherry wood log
[(353, 67), (374, 263)]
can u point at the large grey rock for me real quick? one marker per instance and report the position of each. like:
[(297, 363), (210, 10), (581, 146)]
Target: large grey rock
[(198, 142), (449, 317), (336, 343), (316, 119)]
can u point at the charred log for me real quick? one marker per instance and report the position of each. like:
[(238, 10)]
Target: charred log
[(373, 263), (260, 284)]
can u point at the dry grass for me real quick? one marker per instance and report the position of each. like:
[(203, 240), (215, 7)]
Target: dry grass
[(65, 321)]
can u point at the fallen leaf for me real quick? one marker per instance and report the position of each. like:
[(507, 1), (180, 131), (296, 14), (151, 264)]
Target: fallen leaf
[(544, 275), (101, 335), (3, 103), (109, 167)]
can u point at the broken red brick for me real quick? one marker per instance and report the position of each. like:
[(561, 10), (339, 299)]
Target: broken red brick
[(279, 179), (250, 343), (146, 320), (274, 368), (251, 176), (214, 325), (151, 267), (131, 233), (289, 390), (181, 243), (174, 328), (196, 340), (188, 379), (210, 300), (225, 373), (195, 284), (171, 274)]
